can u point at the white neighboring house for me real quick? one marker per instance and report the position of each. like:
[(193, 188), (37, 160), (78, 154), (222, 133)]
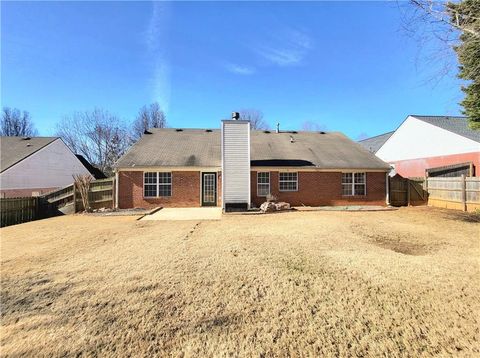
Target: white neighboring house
[(421, 144), (33, 166)]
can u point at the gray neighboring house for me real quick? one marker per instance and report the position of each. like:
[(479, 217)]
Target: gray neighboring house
[(36, 165)]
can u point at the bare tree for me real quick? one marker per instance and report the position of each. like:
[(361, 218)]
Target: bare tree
[(313, 126), (16, 123), (436, 27), (148, 117), (255, 117), (97, 135), (82, 183)]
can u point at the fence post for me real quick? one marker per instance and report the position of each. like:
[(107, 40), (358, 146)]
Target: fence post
[(408, 192), (74, 197), (464, 192)]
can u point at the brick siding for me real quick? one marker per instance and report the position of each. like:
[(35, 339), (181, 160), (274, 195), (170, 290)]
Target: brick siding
[(314, 189), (185, 190), (17, 193), (323, 188)]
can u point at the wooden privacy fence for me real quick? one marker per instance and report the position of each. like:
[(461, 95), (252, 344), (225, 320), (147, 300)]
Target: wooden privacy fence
[(68, 200), (62, 201), (18, 210), (405, 191), (461, 193)]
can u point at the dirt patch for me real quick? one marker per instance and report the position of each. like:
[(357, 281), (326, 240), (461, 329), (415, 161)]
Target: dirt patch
[(402, 247)]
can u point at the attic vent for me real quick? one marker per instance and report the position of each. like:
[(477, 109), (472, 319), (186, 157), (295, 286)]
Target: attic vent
[(322, 132), (266, 132), (208, 130), (178, 130)]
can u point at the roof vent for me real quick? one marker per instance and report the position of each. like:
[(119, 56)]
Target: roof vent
[(146, 132), (294, 132), (266, 132), (178, 130), (292, 140), (235, 116), (26, 138), (322, 132)]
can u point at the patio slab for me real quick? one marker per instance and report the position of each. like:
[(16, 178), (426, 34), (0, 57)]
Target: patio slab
[(170, 214)]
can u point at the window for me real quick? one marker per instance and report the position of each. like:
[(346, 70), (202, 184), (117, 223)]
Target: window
[(263, 183), (150, 184), (353, 184), (288, 181), (164, 184), (157, 184)]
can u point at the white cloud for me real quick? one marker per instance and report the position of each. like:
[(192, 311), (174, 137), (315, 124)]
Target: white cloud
[(288, 49), (240, 69), (156, 38)]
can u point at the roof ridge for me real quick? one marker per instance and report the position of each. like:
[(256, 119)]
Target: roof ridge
[(375, 136), (439, 116)]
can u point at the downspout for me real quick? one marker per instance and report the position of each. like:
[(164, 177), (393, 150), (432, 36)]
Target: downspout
[(116, 188), (387, 186)]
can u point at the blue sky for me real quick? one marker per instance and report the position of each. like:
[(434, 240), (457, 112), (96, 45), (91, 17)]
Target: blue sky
[(339, 66)]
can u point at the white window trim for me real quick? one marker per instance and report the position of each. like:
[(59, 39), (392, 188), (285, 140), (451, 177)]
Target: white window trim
[(269, 187), (158, 185), (287, 181), (353, 183)]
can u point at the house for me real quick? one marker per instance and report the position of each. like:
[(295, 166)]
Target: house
[(36, 165), (429, 146), (237, 168), (94, 171)]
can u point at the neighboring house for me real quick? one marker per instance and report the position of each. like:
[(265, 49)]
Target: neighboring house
[(190, 167), (429, 145), (33, 166), (96, 173)]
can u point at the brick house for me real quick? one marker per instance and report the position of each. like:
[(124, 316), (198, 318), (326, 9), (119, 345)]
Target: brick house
[(236, 167)]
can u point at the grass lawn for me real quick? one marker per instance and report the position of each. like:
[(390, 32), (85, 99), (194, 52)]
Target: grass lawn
[(396, 283)]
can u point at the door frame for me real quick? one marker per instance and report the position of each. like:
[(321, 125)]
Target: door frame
[(202, 201)]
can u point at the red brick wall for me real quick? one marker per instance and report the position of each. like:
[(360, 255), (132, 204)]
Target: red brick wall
[(323, 188), (416, 167), (314, 189), (185, 190), (16, 193)]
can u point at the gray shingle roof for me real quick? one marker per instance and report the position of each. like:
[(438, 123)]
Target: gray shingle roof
[(15, 149), (199, 148), (373, 144), (458, 125)]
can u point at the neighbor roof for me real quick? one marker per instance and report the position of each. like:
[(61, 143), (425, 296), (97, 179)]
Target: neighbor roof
[(457, 125), (373, 144), (201, 148), (15, 149)]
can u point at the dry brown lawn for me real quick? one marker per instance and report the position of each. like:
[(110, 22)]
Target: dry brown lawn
[(398, 283)]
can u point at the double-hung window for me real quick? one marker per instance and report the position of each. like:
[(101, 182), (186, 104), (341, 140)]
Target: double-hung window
[(263, 183), (353, 184), (288, 181), (157, 184)]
